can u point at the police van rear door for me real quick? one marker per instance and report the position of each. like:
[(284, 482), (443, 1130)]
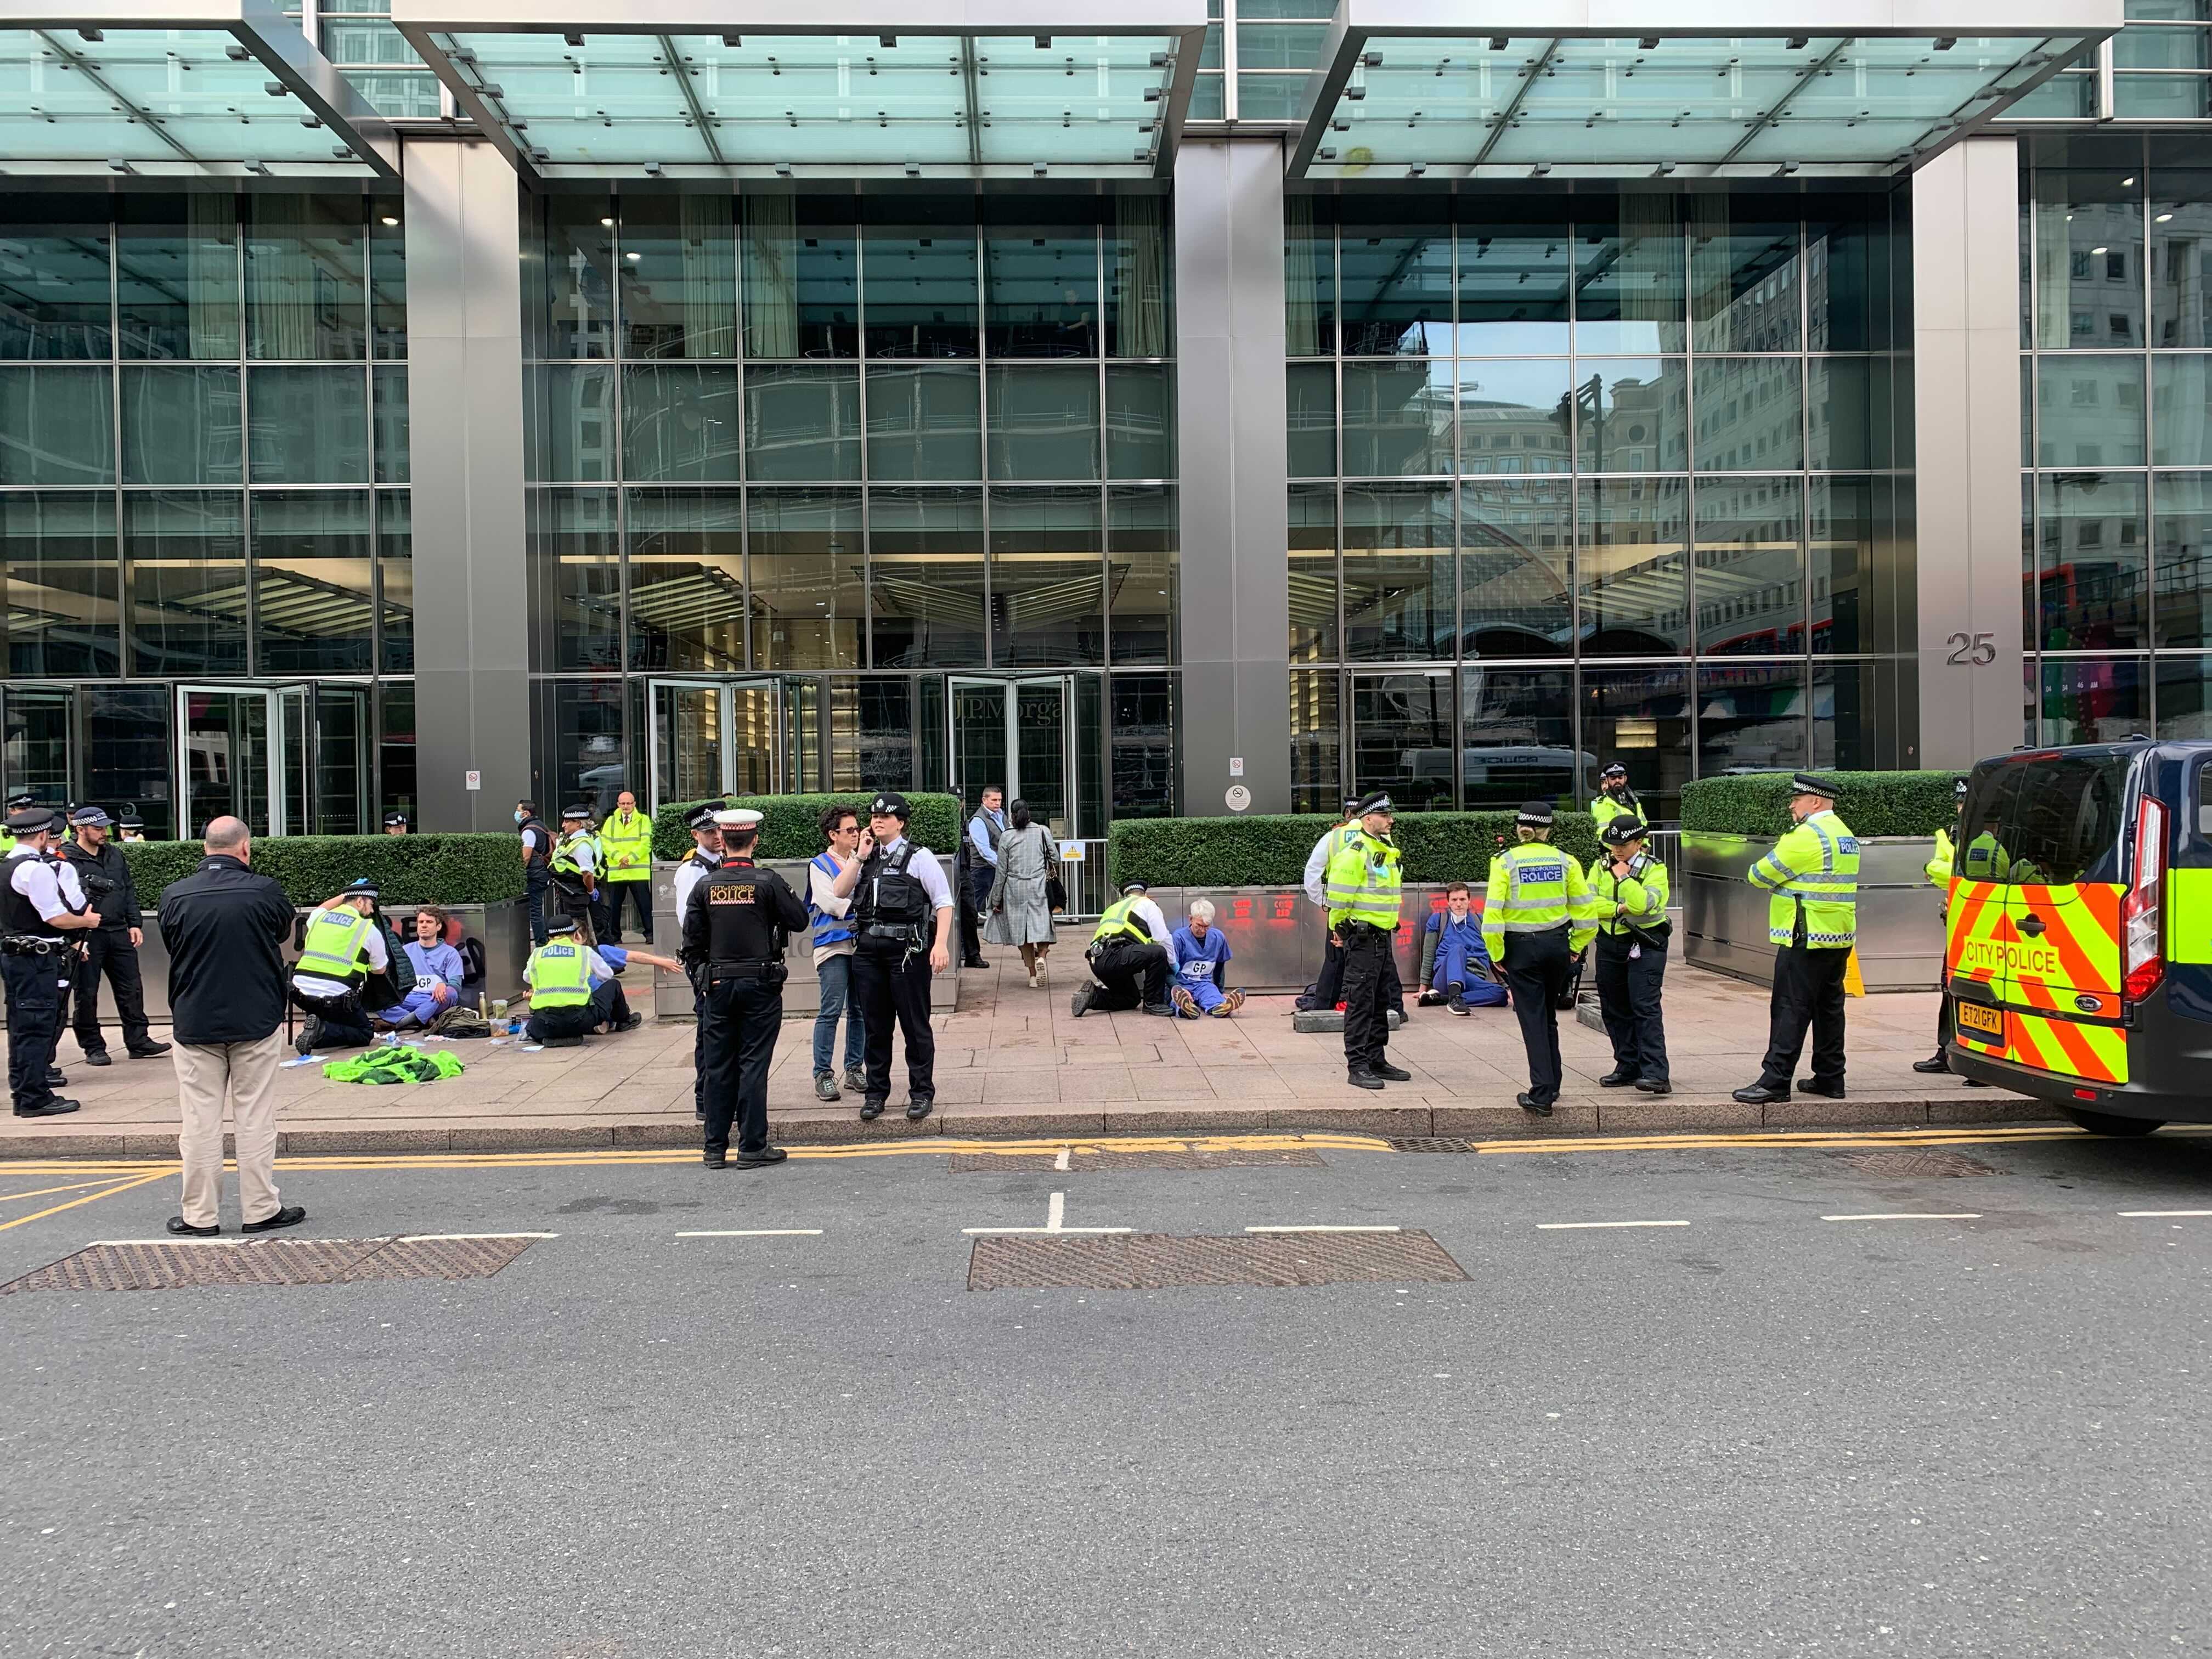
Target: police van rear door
[(1977, 931)]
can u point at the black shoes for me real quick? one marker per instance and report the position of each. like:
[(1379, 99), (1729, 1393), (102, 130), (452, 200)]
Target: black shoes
[(1618, 1078), (1812, 1085), (53, 1107), (1393, 1073), (920, 1109), (311, 1034), (762, 1158), (856, 1079), (1363, 1078), (97, 1057), (1161, 1010), (183, 1229), (871, 1111), (1079, 1004), (1655, 1085), (54, 1078), (148, 1051), (1759, 1094), (1534, 1107), (976, 962), (1931, 1067), (629, 1024), (290, 1216), (715, 1157), (1461, 1008)]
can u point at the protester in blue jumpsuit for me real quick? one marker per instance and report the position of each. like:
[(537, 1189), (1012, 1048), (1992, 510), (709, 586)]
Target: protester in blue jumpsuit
[(1201, 957), (438, 974), (1461, 974)]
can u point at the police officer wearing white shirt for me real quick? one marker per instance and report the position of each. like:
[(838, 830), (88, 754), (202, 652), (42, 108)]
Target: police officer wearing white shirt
[(903, 908), (706, 855), (40, 908)]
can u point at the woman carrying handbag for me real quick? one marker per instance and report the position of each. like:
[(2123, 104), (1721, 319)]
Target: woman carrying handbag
[(1020, 906)]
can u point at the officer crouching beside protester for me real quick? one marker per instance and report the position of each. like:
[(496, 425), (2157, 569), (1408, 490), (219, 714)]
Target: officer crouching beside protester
[(342, 943), (1812, 920), (1535, 925), (1129, 955), (1363, 884), (112, 948), (1628, 894), (903, 908), (736, 924), (42, 909), (573, 989)]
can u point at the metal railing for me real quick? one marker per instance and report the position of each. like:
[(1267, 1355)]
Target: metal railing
[(1090, 889)]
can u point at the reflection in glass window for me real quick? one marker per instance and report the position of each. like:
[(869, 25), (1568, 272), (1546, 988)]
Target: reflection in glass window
[(1313, 573), (1397, 419), (2180, 257), (184, 554), (1839, 540), (1312, 419), (802, 424), (1309, 279), (305, 279), (307, 425), (1848, 304), (801, 281), (925, 424), (1513, 289), (679, 276), (2182, 569), (127, 734), (313, 573), (1858, 711), (1403, 732), (2088, 253), (176, 275), (2181, 410), (1396, 288), (578, 411), (1398, 598), (1048, 578), (1743, 274), (1516, 549), (577, 304), (1145, 724), (1044, 423), (922, 287), (687, 580), (181, 426), (1631, 574), (2092, 700), (57, 426), (809, 578), (1143, 573), (1854, 415), (57, 557), (54, 278), (575, 580), (1750, 568), (1040, 291), (2093, 572), (1139, 308), (1518, 727), (394, 456), (2089, 410), (1317, 779), (1140, 422), (2184, 699), (1629, 288), (925, 577), (395, 581), (1632, 415), (680, 422), (387, 277), (1750, 413), (1640, 717), (395, 748), (1751, 717), (1515, 414), (577, 733)]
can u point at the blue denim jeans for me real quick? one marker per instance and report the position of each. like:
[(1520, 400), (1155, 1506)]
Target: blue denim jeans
[(836, 973)]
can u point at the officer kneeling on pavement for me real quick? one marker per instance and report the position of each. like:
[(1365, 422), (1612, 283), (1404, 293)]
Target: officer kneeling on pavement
[(1628, 898), (1813, 922), (1535, 927), (1128, 955), (736, 925), (341, 946), (573, 989), (42, 910)]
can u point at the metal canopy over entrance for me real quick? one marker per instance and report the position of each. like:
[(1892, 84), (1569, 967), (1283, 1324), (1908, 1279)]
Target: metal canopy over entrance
[(905, 88), (193, 88), (1441, 88)]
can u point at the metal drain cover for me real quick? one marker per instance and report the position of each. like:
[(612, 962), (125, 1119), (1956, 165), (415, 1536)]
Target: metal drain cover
[(154, 1265), (1158, 1262), (1432, 1144), (1914, 1163), (1086, 1160)]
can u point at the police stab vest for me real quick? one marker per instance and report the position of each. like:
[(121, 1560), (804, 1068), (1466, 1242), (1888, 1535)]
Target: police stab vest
[(1120, 921), (335, 945), (559, 977), (1814, 874), (1362, 881)]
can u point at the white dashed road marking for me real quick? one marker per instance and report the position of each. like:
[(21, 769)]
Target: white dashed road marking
[(759, 1232), (1055, 1221), (1575, 1226), (1911, 1215), (1320, 1229)]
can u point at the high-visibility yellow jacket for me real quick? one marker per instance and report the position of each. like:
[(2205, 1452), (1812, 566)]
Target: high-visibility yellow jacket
[(1640, 896), (1939, 867), (1605, 808), (628, 848), (1116, 922), (1362, 881), (335, 944), (559, 977), (1536, 888), (1814, 874), (1985, 859)]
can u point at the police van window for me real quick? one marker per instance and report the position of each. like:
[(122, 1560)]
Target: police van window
[(1984, 827), (2204, 801), (2068, 819)]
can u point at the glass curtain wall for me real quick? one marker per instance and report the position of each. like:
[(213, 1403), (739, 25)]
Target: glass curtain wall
[(1583, 479), (798, 460), (2115, 481), (204, 470)]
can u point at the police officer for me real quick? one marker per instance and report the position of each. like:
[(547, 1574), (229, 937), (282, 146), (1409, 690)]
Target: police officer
[(342, 945), (1628, 900), (1362, 881), (42, 908), (1615, 799), (1812, 920), (560, 973), (903, 908), (736, 924), (1535, 925), (575, 869), (706, 855), (1129, 954), (627, 836), (22, 801), (129, 826), (1938, 869), (536, 864), (112, 948), (395, 824), (1327, 989)]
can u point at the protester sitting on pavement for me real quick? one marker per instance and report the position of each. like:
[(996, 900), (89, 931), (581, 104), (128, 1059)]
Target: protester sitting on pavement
[(574, 990), (1128, 954), (1201, 967), (1456, 966), (439, 971), (1017, 909), (341, 946)]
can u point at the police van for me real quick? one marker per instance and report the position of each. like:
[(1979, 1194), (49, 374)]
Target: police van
[(2078, 948)]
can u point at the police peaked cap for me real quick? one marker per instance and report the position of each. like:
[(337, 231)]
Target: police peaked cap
[(361, 887), (1622, 831), (90, 818), (703, 814), (1806, 784), (1535, 815), (1129, 887), (391, 819), (1615, 770), (568, 812), (1374, 801), (30, 821), (890, 804), (565, 925), (1958, 790)]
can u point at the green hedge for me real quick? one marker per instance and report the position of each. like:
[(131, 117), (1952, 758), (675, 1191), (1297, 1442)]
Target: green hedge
[(789, 823), (479, 869), (1871, 803), (1270, 850)]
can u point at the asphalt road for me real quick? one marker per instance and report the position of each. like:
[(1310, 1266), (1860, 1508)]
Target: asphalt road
[(1761, 1433)]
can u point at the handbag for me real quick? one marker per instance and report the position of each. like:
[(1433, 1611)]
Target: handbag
[(1055, 896)]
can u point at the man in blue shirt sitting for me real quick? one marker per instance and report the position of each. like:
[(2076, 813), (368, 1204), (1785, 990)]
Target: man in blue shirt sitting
[(1455, 964), (438, 974), (1199, 956)]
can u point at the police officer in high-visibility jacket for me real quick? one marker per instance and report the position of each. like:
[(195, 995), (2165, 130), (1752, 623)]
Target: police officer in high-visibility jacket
[(627, 837), (1812, 921), (1938, 869), (1131, 954), (1628, 899), (1535, 923), (1615, 799), (1362, 882)]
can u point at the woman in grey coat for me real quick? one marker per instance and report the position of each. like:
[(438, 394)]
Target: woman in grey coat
[(1020, 913)]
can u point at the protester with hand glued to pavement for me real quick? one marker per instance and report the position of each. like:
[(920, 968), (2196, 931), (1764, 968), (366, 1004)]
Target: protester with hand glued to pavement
[(1455, 964), (437, 973), (1201, 957)]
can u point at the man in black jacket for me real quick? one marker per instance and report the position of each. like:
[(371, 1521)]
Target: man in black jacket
[(112, 948), (226, 928)]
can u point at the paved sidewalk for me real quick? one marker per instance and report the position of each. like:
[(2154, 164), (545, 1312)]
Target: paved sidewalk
[(1012, 1062)]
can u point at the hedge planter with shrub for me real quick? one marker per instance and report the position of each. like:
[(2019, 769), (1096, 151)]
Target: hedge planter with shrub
[(790, 824), (1871, 803), (1270, 850), (475, 869)]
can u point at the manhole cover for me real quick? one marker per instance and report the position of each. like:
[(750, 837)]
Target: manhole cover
[(1432, 1144), (1083, 1160), (154, 1266), (1153, 1261), (1917, 1163)]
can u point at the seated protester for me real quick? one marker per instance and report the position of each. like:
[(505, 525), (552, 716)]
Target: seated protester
[(1455, 965), (1129, 955), (439, 971), (1201, 963), (340, 947)]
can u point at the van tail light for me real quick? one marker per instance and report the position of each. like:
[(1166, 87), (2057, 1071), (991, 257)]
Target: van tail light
[(2142, 964)]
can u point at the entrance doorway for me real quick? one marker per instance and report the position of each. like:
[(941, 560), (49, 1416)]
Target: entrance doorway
[(1020, 734), (290, 760), (721, 737)]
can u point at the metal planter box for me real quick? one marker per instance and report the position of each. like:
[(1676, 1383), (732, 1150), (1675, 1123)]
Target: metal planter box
[(1900, 927)]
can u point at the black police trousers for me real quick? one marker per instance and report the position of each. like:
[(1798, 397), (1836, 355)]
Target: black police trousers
[(345, 1024), (109, 950), (1371, 974), (536, 884), (893, 988), (608, 1007), (1537, 967), (34, 1020), (1809, 992), (743, 1019), (1134, 973), (1628, 989)]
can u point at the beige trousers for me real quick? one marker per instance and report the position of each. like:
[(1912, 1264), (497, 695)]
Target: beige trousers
[(246, 1073)]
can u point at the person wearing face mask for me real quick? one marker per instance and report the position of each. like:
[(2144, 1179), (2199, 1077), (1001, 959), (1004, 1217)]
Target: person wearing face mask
[(536, 864), (1455, 966)]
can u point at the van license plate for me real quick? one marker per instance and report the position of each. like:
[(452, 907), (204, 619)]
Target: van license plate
[(1990, 1022)]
